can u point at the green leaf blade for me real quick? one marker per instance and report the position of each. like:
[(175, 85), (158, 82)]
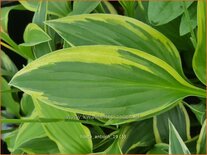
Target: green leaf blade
[(104, 80)]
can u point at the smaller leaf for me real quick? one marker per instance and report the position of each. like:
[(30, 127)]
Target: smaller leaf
[(108, 7), (113, 149), (7, 100), (129, 7), (191, 144), (179, 117), (5, 15), (10, 140), (34, 35), (162, 12), (185, 25), (58, 8), (198, 110), (71, 137), (201, 143), (176, 144), (160, 148), (31, 138), (137, 134), (8, 66), (27, 105), (84, 7), (22, 51)]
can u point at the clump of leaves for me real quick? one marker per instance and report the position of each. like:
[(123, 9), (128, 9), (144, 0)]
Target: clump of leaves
[(106, 77)]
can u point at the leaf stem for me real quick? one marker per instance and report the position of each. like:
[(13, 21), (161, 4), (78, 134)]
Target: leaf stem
[(52, 120)]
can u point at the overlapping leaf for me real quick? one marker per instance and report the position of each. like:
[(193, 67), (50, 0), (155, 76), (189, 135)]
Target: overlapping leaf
[(84, 7), (179, 117), (34, 35), (101, 29), (70, 137), (162, 12), (138, 134), (55, 7)]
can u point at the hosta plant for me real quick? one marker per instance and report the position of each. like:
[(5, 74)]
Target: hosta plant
[(102, 77)]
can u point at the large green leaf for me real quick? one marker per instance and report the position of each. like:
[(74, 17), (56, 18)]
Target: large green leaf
[(179, 117), (96, 29), (70, 137), (54, 7), (199, 58), (176, 144), (105, 81), (201, 143), (162, 12), (84, 7), (7, 100)]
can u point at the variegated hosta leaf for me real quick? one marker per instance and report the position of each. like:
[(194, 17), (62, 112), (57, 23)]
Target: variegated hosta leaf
[(70, 137), (179, 117), (101, 29), (110, 81), (199, 58)]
